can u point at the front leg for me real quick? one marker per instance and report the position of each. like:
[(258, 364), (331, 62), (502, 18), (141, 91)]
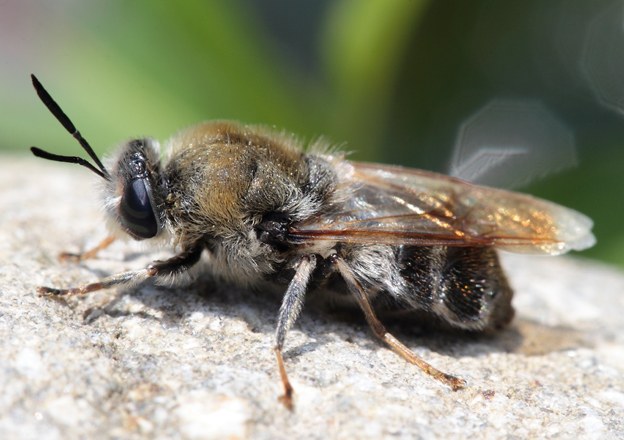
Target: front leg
[(289, 311), (67, 256), (176, 265)]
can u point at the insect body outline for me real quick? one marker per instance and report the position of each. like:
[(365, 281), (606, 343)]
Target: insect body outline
[(378, 236)]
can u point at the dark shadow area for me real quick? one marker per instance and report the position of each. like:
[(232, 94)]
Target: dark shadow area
[(523, 336)]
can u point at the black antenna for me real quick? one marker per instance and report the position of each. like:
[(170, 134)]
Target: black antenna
[(67, 123)]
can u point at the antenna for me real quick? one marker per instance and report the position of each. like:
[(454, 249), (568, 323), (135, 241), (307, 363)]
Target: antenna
[(69, 126)]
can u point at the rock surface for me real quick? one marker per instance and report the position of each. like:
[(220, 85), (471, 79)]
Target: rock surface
[(196, 362)]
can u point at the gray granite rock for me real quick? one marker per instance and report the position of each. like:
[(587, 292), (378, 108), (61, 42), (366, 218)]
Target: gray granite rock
[(196, 362)]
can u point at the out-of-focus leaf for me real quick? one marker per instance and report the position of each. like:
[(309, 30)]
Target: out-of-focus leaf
[(122, 69), (364, 43)]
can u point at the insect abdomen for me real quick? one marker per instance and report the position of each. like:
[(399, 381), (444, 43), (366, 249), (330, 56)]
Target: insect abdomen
[(465, 286)]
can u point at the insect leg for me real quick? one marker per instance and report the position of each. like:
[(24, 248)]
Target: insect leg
[(173, 266), (289, 311), (381, 332), (131, 277), (66, 256)]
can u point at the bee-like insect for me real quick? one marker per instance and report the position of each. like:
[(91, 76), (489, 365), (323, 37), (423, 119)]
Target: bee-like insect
[(262, 209)]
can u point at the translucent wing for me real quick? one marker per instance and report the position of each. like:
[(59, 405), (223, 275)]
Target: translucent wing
[(394, 205)]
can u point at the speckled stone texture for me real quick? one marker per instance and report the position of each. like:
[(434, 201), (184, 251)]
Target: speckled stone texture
[(196, 362)]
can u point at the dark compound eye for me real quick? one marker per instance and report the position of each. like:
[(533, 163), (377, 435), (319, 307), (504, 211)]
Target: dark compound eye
[(136, 210)]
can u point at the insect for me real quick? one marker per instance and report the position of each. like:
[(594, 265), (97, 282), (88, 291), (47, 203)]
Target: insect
[(378, 236)]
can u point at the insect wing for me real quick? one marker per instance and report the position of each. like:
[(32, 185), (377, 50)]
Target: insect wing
[(402, 206)]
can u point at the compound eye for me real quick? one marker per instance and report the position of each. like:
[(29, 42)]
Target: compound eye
[(136, 210)]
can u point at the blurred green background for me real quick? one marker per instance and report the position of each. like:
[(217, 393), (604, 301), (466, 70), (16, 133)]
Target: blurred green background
[(395, 80)]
